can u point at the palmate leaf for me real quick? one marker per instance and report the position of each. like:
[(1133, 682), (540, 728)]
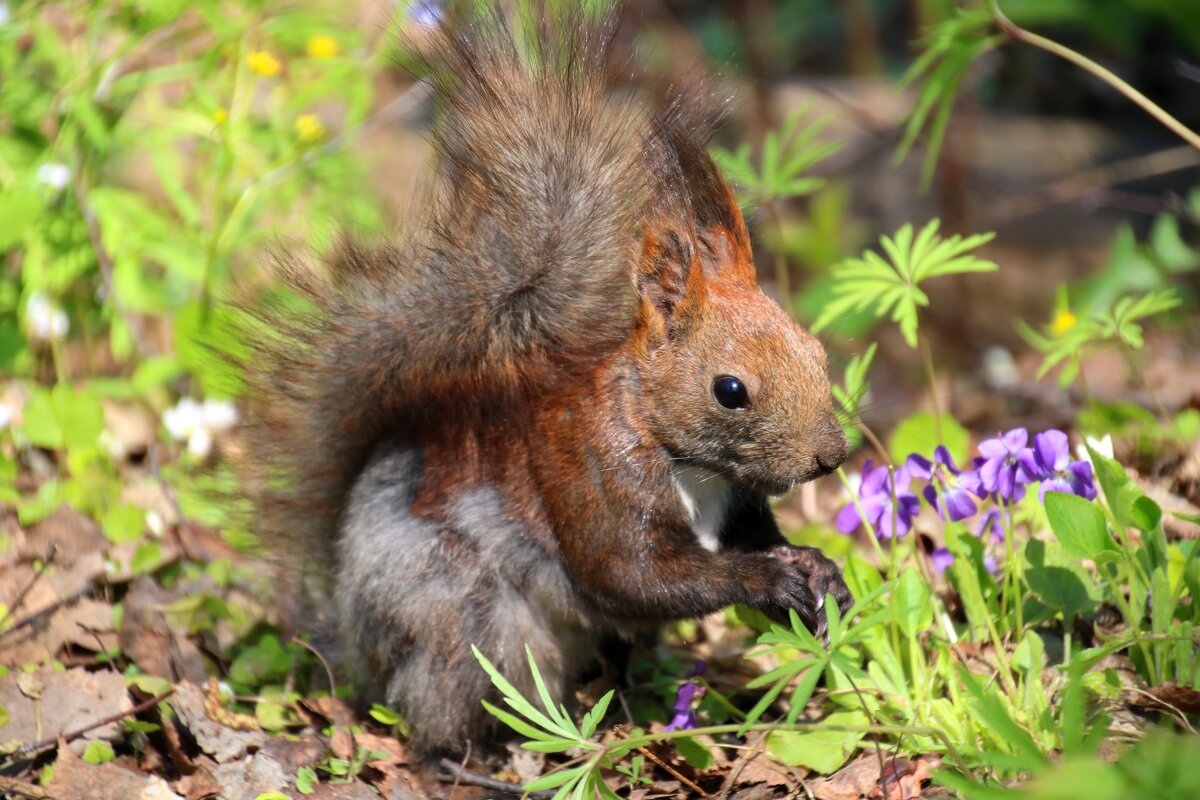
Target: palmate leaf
[(950, 50), (1119, 325), (787, 153), (891, 289)]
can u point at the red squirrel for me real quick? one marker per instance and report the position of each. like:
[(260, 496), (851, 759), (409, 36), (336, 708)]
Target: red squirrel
[(555, 412)]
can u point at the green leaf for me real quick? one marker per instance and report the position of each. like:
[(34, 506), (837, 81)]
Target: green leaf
[(696, 755), (511, 696), (98, 752), (990, 709), (564, 777), (147, 558), (891, 289), (914, 609), (1061, 588), (918, 433), (384, 715), (1078, 524), (1119, 489), (520, 726), (306, 780), (123, 523), (20, 209), (41, 422), (821, 751), (803, 692), (593, 718)]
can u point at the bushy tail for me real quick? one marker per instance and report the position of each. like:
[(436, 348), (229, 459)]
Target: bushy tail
[(521, 272)]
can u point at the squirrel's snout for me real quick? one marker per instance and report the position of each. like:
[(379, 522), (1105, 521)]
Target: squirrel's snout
[(833, 448)]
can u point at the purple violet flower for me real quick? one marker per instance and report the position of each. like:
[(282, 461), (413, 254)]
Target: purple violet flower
[(685, 715), (992, 523), (1005, 466), (956, 487), (941, 558), (1052, 465), (875, 496)]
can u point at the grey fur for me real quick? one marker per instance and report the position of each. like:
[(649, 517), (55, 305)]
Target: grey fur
[(413, 596)]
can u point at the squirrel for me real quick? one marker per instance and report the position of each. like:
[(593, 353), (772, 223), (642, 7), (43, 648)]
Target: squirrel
[(553, 413)]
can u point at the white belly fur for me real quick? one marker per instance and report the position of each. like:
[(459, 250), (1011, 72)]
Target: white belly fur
[(705, 496)]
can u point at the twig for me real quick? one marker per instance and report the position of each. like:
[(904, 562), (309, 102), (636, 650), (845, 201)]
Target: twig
[(674, 772), (106, 267), (1155, 699), (28, 749), (1019, 34), (460, 774), (50, 609), (21, 789), (37, 574), (324, 663), (736, 772)]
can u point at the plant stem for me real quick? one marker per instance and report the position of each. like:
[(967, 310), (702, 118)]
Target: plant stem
[(927, 359), (862, 516), (1131, 357), (1146, 104), (783, 283), (1012, 569)]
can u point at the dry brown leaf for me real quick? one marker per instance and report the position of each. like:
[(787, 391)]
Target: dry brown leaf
[(357, 790), (47, 704), (759, 768), (200, 785), (71, 534), (75, 779), (861, 779), (154, 645), (1183, 698), (247, 778), (219, 741), (390, 746)]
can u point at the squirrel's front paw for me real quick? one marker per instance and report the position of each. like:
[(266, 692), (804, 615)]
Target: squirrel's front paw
[(782, 586), (822, 577)]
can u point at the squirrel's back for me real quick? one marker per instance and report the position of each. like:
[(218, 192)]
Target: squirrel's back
[(519, 276)]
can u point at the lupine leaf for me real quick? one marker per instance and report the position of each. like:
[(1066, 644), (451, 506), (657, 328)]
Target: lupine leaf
[(891, 290)]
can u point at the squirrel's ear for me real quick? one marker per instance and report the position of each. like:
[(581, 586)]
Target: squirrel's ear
[(691, 190), (669, 264)]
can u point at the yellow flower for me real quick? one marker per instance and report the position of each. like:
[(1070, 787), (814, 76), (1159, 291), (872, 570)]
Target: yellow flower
[(309, 128), (1063, 321), (322, 47), (220, 116), (263, 63)]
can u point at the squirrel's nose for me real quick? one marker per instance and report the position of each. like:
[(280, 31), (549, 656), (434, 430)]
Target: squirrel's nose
[(833, 448)]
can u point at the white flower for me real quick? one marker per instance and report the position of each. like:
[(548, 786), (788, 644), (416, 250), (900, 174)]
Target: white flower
[(1102, 446), (195, 422), (200, 442), (6, 416), (155, 523), (45, 320), (182, 418), (999, 369), (219, 415), (5, 14), (56, 176), (854, 481)]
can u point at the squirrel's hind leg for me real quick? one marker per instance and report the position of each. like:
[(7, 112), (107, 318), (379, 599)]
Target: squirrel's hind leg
[(414, 595)]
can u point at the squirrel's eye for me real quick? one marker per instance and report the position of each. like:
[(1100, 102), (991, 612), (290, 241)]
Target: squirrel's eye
[(730, 392)]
